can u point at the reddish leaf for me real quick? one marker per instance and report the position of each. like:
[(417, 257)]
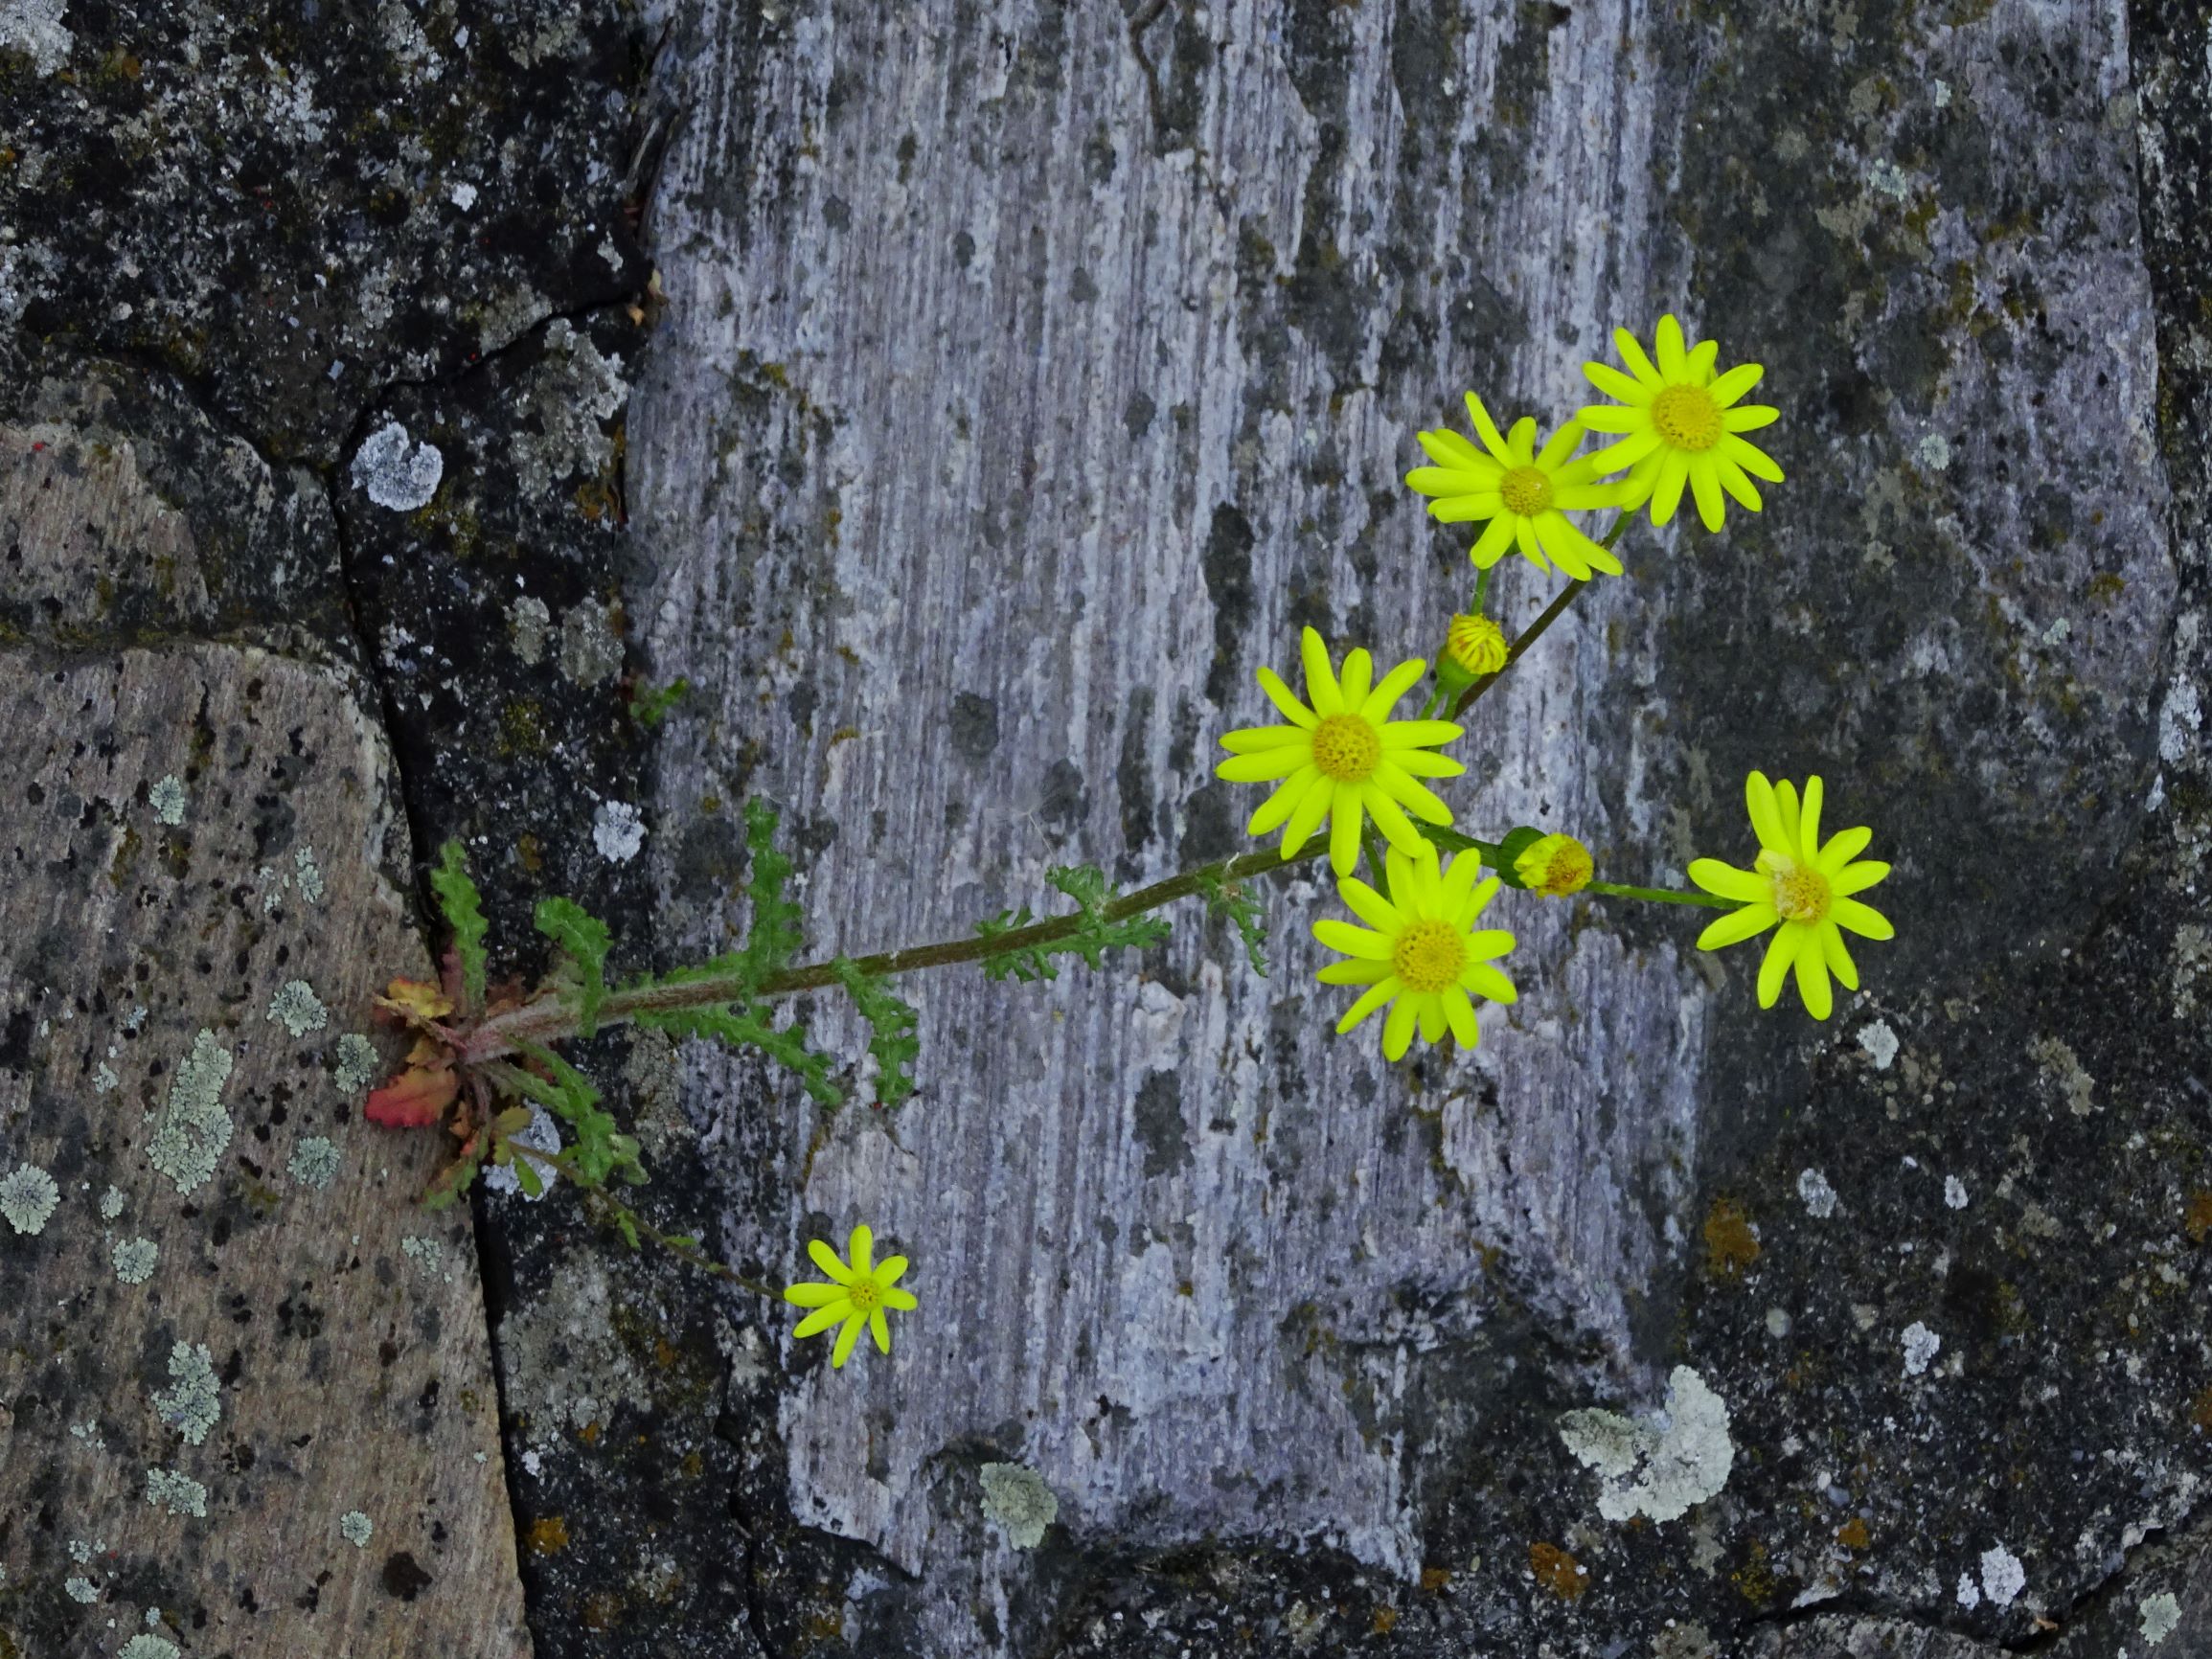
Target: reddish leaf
[(415, 1096), (413, 1003)]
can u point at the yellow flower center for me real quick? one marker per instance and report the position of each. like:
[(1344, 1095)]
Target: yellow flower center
[(1526, 491), (1476, 644), (1687, 418), (1347, 747), (864, 1293), (1800, 891), (1429, 956)]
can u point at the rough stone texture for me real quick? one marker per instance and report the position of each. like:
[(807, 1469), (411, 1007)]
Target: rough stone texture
[(1012, 409), (291, 206), (353, 1367)]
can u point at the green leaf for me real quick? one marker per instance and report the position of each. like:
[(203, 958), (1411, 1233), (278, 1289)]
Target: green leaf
[(583, 937), (526, 1173), (744, 1028), (1228, 900), (463, 908), (1025, 963), (649, 705), (597, 1150), (627, 1226), (775, 933), (891, 1025), (1087, 885)]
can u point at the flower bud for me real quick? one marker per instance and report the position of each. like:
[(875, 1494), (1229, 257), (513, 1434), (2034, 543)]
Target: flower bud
[(1476, 645), (1554, 865)]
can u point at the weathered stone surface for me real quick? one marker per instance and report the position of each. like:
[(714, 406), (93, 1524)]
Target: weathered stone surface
[(197, 913), (1012, 409), (293, 206)]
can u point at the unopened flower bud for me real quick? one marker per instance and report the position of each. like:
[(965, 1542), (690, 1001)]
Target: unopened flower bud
[(1476, 645), (1554, 865)]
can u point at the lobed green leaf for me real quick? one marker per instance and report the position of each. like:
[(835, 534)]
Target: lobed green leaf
[(463, 908)]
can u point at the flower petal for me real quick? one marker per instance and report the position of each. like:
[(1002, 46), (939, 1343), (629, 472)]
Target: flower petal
[(1562, 444), (860, 1248), (1370, 906), (1862, 920), (1748, 416), (1766, 815), (1698, 371), (1342, 935), (1429, 1011), (1674, 361), (1734, 481), (822, 1318), (1632, 354), (1371, 999), (1858, 878), (1785, 815), (1284, 801), (1729, 387), (808, 1295), (1255, 740), (879, 1329), (1321, 689), (1626, 453), (1344, 830), (845, 1340), (1390, 818), (1352, 971), (1447, 449), (1745, 886), (1486, 429), (1419, 734), (1423, 763), (1467, 509), (1307, 816), (826, 1258), (1809, 822), (1781, 952), (1521, 441), (1813, 980), (1842, 848), (1667, 491), (1357, 677), (901, 1301), (1460, 1011), (1612, 417), (1487, 981), (1705, 488), (1279, 694), (1749, 457), (1737, 926), (1400, 680), (1617, 385), (889, 1271), (1266, 766), (1494, 541), (1409, 792), (1398, 1028), (1838, 954)]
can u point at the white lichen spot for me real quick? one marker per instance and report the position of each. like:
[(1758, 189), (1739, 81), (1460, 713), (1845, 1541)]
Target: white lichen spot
[(1953, 1193), (167, 799), (590, 650), (27, 1197), (357, 1067), (1819, 1197), (1880, 1044), (89, 1431), (81, 1550), (428, 1255), (2002, 1577), (543, 1132), (307, 874), (2178, 719), (134, 1260), (1968, 1592), (297, 1009), (528, 622), (1019, 1501), (81, 1589), (1920, 1347), (111, 1203), (105, 1080), (150, 1647), (1888, 178), (1661, 1467), (177, 1494), (617, 831), (2161, 1614), (1779, 1324), (532, 1463), (356, 1529), (396, 472), (194, 1402), (194, 1130), (2063, 1067), (574, 389), (314, 1162), (34, 29), (1935, 452), (463, 194)]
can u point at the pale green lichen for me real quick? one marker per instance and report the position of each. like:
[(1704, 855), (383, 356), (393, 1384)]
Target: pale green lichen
[(89, 1431), (167, 799), (193, 1132), (356, 1529), (83, 1590), (297, 1009), (177, 1494), (1656, 1469), (307, 876), (1020, 1502), (193, 1404), (428, 1255), (27, 1197), (104, 1080), (111, 1203), (134, 1260), (149, 1648), (314, 1162), (356, 1066)]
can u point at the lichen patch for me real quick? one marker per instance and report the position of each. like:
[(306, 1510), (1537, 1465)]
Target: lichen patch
[(27, 1198), (194, 1130), (394, 471), (314, 1162), (168, 800), (1661, 1467), (356, 1529), (357, 1067), (134, 1260), (297, 1009), (1019, 1501), (176, 1492), (192, 1402)]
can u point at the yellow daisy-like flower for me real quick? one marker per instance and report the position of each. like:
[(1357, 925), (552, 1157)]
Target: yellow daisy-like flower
[(1523, 494), (1683, 426), (1420, 955), (856, 1295), (1802, 885), (1344, 759)]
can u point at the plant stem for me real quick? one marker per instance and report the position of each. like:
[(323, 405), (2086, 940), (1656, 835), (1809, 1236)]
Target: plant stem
[(1529, 635), (1660, 895)]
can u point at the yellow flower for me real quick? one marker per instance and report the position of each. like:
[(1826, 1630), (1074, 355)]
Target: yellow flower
[(857, 1296), (1476, 645), (1801, 884), (1521, 493), (1682, 426), (1420, 954), (1343, 759), (1554, 866)]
